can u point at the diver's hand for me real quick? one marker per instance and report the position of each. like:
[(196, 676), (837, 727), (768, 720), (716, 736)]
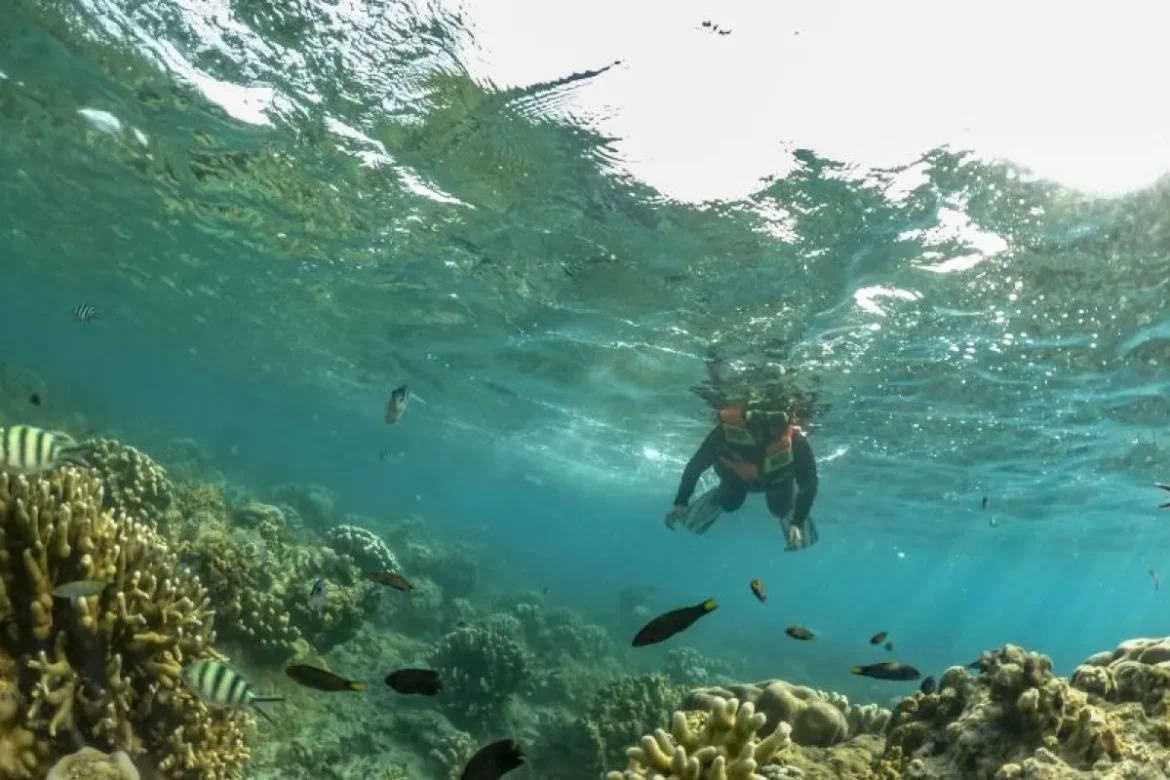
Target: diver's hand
[(673, 515)]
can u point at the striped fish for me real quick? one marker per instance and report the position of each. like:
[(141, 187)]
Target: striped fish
[(218, 684), (85, 313), (28, 450)]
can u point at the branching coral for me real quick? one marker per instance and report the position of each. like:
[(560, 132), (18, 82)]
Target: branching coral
[(366, 548), (105, 667), (720, 744)]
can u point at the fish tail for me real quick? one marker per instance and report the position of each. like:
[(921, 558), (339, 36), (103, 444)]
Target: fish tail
[(261, 712), (857, 670), (709, 605), (355, 686)]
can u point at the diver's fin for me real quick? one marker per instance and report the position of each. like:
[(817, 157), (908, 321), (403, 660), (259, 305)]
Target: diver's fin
[(702, 512)]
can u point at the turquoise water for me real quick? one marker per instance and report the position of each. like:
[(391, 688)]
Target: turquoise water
[(376, 211)]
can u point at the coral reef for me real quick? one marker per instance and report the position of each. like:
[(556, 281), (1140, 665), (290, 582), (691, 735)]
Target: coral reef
[(313, 504), (1137, 671), (454, 568), (106, 668), (366, 548), (483, 666), (1018, 720), (616, 716), (687, 666), (260, 581), (722, 743), (90, 764), (133, 482), (818, 719), (447, 748)]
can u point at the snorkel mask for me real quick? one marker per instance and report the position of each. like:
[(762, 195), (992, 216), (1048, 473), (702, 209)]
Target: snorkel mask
[(765, 421)]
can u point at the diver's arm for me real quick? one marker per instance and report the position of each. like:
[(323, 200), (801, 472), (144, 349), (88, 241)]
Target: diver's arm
[(805, 464), (703, 459)]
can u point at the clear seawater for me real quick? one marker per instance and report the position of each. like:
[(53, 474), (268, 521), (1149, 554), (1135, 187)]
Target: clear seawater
[(286, 209)]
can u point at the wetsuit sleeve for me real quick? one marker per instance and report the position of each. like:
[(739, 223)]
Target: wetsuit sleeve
[(703, 459), (806, 478)]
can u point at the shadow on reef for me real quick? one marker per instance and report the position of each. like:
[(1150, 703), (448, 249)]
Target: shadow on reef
[(210, 570)]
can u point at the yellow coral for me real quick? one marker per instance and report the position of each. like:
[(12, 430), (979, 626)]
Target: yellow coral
[(111, 669), (725, 747)]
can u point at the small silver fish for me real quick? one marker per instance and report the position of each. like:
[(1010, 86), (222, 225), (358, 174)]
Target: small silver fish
[(28, 450), (396, 406), (318, 595), (216, 683), (80, 589)]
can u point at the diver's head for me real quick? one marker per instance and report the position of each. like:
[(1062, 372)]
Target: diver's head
[(764, 422)]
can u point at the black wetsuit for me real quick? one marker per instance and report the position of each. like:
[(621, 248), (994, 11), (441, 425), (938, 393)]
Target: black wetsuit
[(733, 489)]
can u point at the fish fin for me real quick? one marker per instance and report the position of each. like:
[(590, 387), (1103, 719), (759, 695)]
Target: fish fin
[(356, 686), (265, 699), (709, 605), (261, 712)]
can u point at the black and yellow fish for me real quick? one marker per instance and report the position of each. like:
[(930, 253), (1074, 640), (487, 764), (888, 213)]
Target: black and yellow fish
[(799, 632), (320, 679), (889, 670), (758, 589), (491, 762), (878, 638), (422, 682), (928, 686), (670, 623)]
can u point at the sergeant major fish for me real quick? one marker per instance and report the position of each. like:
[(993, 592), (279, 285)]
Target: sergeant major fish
[(86, 313), (318, 595), (28, 450), (219, 685)]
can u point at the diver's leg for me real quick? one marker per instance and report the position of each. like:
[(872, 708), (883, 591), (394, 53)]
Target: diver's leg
[(732, 490), (780, 498)]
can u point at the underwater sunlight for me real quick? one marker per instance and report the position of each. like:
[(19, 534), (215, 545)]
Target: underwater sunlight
[(460, 389)]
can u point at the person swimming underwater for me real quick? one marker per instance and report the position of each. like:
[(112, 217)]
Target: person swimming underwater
[(754, 450)]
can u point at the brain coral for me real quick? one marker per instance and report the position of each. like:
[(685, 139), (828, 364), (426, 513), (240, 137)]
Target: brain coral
[(104, 669)]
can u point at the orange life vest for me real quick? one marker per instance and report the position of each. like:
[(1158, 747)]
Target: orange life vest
[(741, 450)]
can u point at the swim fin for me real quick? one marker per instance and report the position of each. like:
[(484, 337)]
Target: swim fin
[(809, 535), (702, 513)]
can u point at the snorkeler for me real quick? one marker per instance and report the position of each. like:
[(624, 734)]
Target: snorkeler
[(752, 450)]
